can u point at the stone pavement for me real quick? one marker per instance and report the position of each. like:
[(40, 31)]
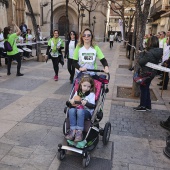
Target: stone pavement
[(31, 120)]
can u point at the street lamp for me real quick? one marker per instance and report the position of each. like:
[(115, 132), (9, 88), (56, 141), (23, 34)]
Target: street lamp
[(105, 23), (131, 12), (82, 15)]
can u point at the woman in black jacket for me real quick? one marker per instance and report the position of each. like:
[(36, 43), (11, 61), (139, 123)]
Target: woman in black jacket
[(69, 51), (153, 54)]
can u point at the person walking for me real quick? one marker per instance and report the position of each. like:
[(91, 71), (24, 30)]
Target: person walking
[(153, 54), (55, 45), (14, 54), (86, 53), (111, 39), (2, 54), (23, 28), (69, 51)]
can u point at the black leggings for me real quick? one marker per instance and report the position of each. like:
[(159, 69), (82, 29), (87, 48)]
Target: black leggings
[(16, 57), (111, 44), (71, 68), (55, 61)]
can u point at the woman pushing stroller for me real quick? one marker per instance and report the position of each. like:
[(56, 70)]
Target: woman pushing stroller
[(77, 114), (86, 53), (84, 58)]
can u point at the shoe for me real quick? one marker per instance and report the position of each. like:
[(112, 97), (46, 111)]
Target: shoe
[(78, 136), (166, 124), (131, 68), (160, 78), (148, 109), (56, 78), (140, 109), (70, 135), (159, 84), (8, 74), (19, 74), (14, 61), (163, 88)]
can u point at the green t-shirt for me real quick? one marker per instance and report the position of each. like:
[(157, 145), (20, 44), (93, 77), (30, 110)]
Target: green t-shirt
[(12, 40), (87, 57), (54, 43)]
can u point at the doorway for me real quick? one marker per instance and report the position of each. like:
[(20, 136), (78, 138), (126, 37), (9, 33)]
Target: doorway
[(62, 23)]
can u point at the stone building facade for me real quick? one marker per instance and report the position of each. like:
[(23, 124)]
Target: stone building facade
[(159, 19), (17, 11), (42, 8)]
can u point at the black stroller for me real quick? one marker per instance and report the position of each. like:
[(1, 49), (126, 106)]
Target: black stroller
[(92, 130)]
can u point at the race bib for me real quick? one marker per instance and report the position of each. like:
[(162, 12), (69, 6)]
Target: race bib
[(88, 57), (54, 54)]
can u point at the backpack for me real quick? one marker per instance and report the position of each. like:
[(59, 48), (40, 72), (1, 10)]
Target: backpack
[(7, 46)]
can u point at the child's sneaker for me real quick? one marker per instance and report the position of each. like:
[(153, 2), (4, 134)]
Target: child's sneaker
[(70, 135), (56, 78), (78, 136)]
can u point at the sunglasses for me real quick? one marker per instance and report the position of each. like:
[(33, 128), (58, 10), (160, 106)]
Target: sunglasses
[(72, 34), (86, 35)]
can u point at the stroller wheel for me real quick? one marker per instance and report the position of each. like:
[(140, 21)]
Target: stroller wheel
[(106, 133), (61, 154), (64, 127), (86, 160)]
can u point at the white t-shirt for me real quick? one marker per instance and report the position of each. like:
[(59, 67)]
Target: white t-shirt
[(111, 37), (29, 38), (2, 42), (90, 98), (71, 49)]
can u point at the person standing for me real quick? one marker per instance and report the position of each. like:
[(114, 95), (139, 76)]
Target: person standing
[(111, 39), (153, 54), (55, 45), (14, 54), (23, 29), (29, 39), (69, 51), (2, 54)]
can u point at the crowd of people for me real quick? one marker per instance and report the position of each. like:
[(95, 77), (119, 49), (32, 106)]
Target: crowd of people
[(16, 39)]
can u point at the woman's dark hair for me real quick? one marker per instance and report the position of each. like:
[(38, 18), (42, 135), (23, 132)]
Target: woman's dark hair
[(69, 36), (28, 30), (153, 42), (6, 32), (57, 31)]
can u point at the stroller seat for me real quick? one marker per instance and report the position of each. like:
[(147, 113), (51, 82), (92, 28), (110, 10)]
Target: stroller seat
[(87, 122)]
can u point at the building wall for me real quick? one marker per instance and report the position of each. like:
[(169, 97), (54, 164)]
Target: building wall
[(3, 15), (59, 14)]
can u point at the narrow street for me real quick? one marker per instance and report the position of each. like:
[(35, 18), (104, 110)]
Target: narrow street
[(31, 120)]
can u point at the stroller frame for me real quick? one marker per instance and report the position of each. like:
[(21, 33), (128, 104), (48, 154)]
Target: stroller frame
[(93, 130)]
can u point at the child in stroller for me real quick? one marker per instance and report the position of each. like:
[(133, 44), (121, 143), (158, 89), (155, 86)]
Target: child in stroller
[(78, 114), (91, 129)]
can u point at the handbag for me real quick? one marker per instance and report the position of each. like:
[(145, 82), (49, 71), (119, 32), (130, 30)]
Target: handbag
[(142, 78), (61, 59)]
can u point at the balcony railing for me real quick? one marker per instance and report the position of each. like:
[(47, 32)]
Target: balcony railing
[(159, 6)]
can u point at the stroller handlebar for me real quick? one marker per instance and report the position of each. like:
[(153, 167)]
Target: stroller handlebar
[(93, 70)]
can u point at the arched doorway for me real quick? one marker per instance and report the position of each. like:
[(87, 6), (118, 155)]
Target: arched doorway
[(62, 25)]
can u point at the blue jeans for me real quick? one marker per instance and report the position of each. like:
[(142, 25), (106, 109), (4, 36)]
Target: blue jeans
[(145, 99), (77, 117)]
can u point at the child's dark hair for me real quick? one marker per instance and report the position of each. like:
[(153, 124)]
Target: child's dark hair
[(88, 79), (6, 32)]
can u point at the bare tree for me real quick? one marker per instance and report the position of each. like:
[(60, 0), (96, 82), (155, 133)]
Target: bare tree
[(142, 12), (89, 6), (34, 23)]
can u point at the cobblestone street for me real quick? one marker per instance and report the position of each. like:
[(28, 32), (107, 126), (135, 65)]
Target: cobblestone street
[(32, 117)]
